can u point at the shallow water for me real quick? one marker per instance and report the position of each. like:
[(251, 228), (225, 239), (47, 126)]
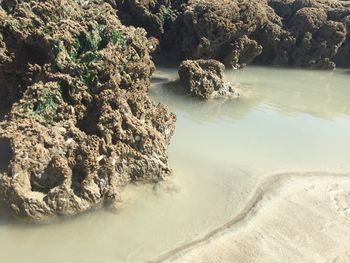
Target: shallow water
[(289, 121)]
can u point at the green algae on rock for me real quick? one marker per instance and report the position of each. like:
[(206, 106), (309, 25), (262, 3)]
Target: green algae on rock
[(81, 124)]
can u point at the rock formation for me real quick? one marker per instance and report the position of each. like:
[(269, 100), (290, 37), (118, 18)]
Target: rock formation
[(156, 16), (301, 33), (205, 79), (81, 123), (319, 29)]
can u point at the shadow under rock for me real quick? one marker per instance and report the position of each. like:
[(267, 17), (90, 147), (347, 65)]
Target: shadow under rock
[(5, 215), (3, 113)]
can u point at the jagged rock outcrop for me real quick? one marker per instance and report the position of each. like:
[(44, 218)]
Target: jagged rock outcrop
[(156, 16), (81, 123), (300, 33), (319, 29), (240, 32), (205, 79), (222, 31)]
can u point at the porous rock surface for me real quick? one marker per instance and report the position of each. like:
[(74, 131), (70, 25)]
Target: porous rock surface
[(205, 79), (320, 29), (156, 16), (240, 32), (81, 124), (305, 33)]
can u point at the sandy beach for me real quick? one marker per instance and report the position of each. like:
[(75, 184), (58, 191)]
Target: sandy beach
[(289, 218)]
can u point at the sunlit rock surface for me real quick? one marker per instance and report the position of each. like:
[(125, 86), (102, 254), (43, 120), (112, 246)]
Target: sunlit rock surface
[(81, 124), (205, 79)]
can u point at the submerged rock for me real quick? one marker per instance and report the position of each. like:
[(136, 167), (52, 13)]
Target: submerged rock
[(205, 79), (81, 123)]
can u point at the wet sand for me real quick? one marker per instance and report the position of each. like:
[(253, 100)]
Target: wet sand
[(290, 218)]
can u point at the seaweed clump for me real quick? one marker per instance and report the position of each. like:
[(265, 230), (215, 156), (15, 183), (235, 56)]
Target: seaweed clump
[(81, 124)]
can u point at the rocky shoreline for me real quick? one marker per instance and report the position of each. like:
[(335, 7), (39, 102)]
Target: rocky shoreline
[(81, 124), (76, 76), (299, 33)]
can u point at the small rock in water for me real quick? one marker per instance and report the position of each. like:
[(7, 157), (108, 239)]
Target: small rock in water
[(205, 79)]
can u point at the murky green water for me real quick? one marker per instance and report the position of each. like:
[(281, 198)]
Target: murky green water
[(290, 120)]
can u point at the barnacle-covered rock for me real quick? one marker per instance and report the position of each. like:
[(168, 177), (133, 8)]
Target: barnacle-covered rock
[(81, 124), (319, 31), (299, 33), (240, 32), (156, 16), (205, 79)]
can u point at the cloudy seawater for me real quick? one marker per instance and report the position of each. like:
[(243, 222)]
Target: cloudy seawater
[(286, 120)]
